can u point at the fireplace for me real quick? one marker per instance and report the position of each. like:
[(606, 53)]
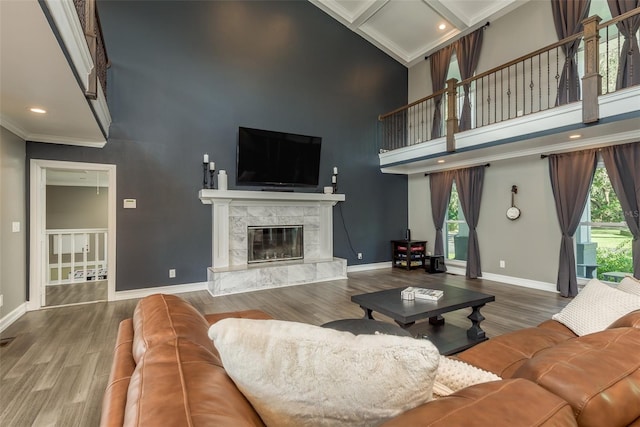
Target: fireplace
[(274, 243), (307, 223)]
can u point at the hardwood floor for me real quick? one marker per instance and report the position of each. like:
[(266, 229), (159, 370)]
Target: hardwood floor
[(55, 370), (76, 293)]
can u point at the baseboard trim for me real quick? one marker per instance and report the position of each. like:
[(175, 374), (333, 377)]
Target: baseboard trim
[(12, 316), (202, 286), (518, 281), (173, 289), (510, 280), (366, 267)]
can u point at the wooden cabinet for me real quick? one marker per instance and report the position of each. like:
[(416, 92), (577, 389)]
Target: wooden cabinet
[(408, 253)]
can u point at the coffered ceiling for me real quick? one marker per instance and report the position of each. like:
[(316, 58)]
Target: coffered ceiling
[(407, 30)]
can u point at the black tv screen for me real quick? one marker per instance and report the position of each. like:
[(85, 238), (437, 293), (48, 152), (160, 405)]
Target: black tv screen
[(268, 158)]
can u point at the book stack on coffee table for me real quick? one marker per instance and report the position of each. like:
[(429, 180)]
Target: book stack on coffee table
[(411, 293)]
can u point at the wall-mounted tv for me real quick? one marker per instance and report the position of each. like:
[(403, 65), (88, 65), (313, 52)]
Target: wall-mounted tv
[(268, 158)]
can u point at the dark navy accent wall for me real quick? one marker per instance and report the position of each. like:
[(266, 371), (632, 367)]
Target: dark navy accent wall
[(186, 74)]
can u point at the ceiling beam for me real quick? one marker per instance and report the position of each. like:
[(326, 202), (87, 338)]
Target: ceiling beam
[(367, 13), (442, 10)]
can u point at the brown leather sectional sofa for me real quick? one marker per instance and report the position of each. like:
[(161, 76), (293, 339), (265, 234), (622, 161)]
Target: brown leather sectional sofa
[(167, 372)]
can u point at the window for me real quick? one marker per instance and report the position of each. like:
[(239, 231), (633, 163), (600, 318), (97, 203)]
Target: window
[(603, 239), (457, 231), (454, 73)]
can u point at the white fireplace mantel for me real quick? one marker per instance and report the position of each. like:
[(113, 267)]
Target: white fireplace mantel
[(209, 196), (232, 211)]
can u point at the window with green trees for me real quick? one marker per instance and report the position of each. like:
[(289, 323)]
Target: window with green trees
[(603, 239), (456, 229)]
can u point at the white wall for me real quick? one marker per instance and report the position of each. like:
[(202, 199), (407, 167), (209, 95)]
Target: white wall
[(530, 245), (526, 29), (13, 264), (522, 31), (76, 207)]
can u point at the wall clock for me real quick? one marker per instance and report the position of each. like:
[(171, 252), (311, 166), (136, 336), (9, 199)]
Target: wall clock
[(513, 212)]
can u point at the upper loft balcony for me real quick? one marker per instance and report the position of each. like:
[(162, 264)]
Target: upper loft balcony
[(522, 108), (53, 58)]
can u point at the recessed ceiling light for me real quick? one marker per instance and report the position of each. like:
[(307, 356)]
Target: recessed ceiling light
[(441, 161), (442, 26), (575, 136), (37, 110)]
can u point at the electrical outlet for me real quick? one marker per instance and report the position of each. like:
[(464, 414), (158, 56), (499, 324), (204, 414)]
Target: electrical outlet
[(359, 255), (1, 300), (172, 273), (502, 264)]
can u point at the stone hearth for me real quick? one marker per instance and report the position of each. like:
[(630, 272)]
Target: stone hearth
[(234, 211)]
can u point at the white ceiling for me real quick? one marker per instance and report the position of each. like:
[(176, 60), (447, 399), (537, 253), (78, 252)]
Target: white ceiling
[(77, 178), (35, 73), (407, 30)]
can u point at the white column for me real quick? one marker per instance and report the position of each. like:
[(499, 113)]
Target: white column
[(220, 233), (326, 230)]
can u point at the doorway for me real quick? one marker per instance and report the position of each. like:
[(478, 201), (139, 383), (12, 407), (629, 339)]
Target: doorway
[(72, 233)]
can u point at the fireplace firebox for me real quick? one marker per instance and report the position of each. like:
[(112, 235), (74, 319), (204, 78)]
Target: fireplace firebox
[(274, 243)]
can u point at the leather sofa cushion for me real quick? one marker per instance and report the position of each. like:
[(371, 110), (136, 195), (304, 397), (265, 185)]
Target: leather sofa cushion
[(160, 318), (246, 314), (631, 320), (122, 367), (554, 325), (504, 354), (495, 404), (178, 383), (598, 374)]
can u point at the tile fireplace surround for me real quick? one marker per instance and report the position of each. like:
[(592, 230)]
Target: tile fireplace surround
[(233, 211)]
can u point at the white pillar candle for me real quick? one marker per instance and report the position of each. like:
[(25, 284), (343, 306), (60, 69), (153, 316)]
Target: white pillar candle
[(212, 166), (206, 159), (222, 180), (335, 170)]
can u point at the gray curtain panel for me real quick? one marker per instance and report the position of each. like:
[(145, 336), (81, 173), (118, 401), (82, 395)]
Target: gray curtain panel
[(469, 185), (567, 17), (468, 53), (440, 186), (629, 63), (571, 176), (439, 64), (623, 167)]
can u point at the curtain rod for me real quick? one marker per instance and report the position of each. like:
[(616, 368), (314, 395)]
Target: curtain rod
[(544, 156), (480, 28), (486, 166)]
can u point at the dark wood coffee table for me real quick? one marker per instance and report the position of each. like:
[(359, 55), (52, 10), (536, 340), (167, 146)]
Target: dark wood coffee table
[(367, 327), (449, 339)]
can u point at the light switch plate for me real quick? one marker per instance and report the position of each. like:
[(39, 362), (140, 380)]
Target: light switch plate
[(15, 226), (129, 203)]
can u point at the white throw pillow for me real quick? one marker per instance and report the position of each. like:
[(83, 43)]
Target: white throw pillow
[(454, 375), (296, 374), (630, 285), (596, 307)]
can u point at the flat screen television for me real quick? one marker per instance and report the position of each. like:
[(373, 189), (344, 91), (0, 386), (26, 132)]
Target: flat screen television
[(277, 159)]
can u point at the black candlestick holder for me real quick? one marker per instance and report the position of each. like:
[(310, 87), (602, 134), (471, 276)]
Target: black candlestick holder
[(334, 183), (212, 184), (205, 167)]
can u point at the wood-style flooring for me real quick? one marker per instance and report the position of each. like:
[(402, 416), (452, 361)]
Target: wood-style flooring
[(55, 370), (76, 293)]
